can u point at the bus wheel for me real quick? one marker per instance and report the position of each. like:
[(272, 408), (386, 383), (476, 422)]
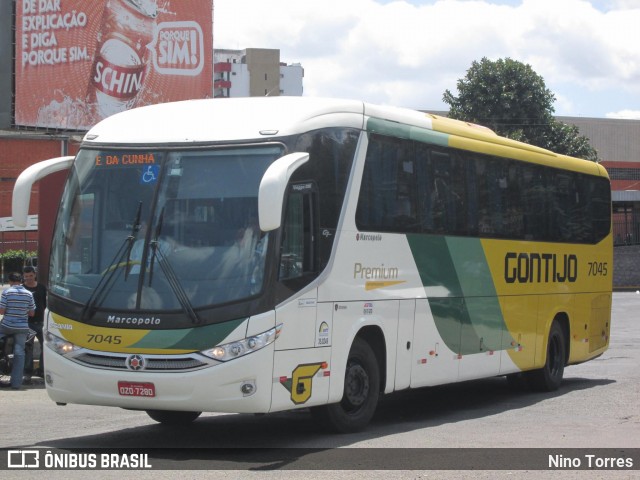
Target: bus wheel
[(549, 378), (173, 418), (361, 391)]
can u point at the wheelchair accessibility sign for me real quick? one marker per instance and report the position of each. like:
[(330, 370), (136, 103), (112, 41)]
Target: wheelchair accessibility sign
[(149, 174)]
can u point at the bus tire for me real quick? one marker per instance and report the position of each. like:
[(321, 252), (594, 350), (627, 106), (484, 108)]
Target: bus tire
[(172, 417), (549, 377), (361, 392)]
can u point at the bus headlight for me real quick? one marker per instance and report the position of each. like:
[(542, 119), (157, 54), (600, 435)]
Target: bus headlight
[(232, 350), (59, 345)]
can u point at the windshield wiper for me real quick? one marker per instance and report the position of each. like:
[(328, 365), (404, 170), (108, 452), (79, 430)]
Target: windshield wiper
[(174, 282), (106, 281), (155, 243), (131, 239), (169, 273)]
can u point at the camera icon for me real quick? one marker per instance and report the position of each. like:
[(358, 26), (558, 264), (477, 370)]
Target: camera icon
[(23, 459)]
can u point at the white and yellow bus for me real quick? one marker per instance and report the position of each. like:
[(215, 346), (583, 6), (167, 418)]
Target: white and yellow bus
[(265, 254)]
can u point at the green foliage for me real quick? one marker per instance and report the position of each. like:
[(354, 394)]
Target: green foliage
[(566, 139), (13, 260), (513, 100)]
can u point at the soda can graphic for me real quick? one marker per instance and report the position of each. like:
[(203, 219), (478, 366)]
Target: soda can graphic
[(122, 55)]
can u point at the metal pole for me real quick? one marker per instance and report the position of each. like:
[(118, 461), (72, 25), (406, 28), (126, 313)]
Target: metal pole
[(626, 227)]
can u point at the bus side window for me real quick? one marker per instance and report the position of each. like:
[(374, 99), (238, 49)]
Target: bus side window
[(298, 251)]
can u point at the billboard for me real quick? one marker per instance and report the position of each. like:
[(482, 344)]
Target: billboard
[(78, 62)]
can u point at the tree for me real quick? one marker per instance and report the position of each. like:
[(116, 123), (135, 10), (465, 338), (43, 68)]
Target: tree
[(13, 261), (513, 100), (566, 139)]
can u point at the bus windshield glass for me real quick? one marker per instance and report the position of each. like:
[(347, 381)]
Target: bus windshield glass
[(161, 229)]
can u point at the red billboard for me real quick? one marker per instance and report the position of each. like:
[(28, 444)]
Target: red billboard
[(78, 62)]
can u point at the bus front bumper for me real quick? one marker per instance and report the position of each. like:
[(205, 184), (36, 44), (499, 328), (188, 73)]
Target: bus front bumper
[(242, 385)]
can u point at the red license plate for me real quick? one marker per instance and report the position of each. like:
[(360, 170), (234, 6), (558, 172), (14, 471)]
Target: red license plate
[(136, 389)]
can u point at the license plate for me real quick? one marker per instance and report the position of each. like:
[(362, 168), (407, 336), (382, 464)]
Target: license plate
[(136, 389)]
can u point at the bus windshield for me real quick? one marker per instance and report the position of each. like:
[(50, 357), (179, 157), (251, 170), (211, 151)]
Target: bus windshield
[(161, 229)]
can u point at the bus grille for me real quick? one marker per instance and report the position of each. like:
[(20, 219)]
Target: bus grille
[(153, 363)]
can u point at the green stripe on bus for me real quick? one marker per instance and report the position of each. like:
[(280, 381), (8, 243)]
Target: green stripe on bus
[(434, 262), (470, 263), (429, 136), (400, 130), (481, 298), (469, 318), (198, 338)]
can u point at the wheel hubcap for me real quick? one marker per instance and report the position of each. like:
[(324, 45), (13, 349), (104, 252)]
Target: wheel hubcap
[(356, 385)]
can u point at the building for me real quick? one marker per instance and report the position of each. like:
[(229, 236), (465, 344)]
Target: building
[(254, 72), (19, 150), (618, 144)]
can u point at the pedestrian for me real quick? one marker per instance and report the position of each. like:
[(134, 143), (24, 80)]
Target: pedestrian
[(36, 323), (17, 305)]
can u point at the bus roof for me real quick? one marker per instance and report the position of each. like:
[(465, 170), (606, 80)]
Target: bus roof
[(225, 119), (260, 118)]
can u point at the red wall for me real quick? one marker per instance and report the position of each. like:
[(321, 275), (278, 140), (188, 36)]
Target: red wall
[(619, 185), (16, 154), (50, 192)]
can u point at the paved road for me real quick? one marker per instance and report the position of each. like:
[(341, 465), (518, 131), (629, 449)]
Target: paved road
[(598, 406)]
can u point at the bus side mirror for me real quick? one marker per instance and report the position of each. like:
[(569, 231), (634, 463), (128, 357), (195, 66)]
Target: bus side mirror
[(272, 188)]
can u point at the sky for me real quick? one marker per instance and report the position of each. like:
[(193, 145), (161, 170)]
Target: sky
[(408, 52)]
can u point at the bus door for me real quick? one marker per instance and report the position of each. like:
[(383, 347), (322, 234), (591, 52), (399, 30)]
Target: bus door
[(303, 352)]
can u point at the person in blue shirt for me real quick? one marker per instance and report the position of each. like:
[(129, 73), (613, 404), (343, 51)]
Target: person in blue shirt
[(17, 305)]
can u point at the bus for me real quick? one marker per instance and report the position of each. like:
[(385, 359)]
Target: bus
[(258, 255)]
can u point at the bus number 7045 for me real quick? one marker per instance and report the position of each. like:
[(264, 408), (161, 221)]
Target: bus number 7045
[(598, 269), (114, 339)]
